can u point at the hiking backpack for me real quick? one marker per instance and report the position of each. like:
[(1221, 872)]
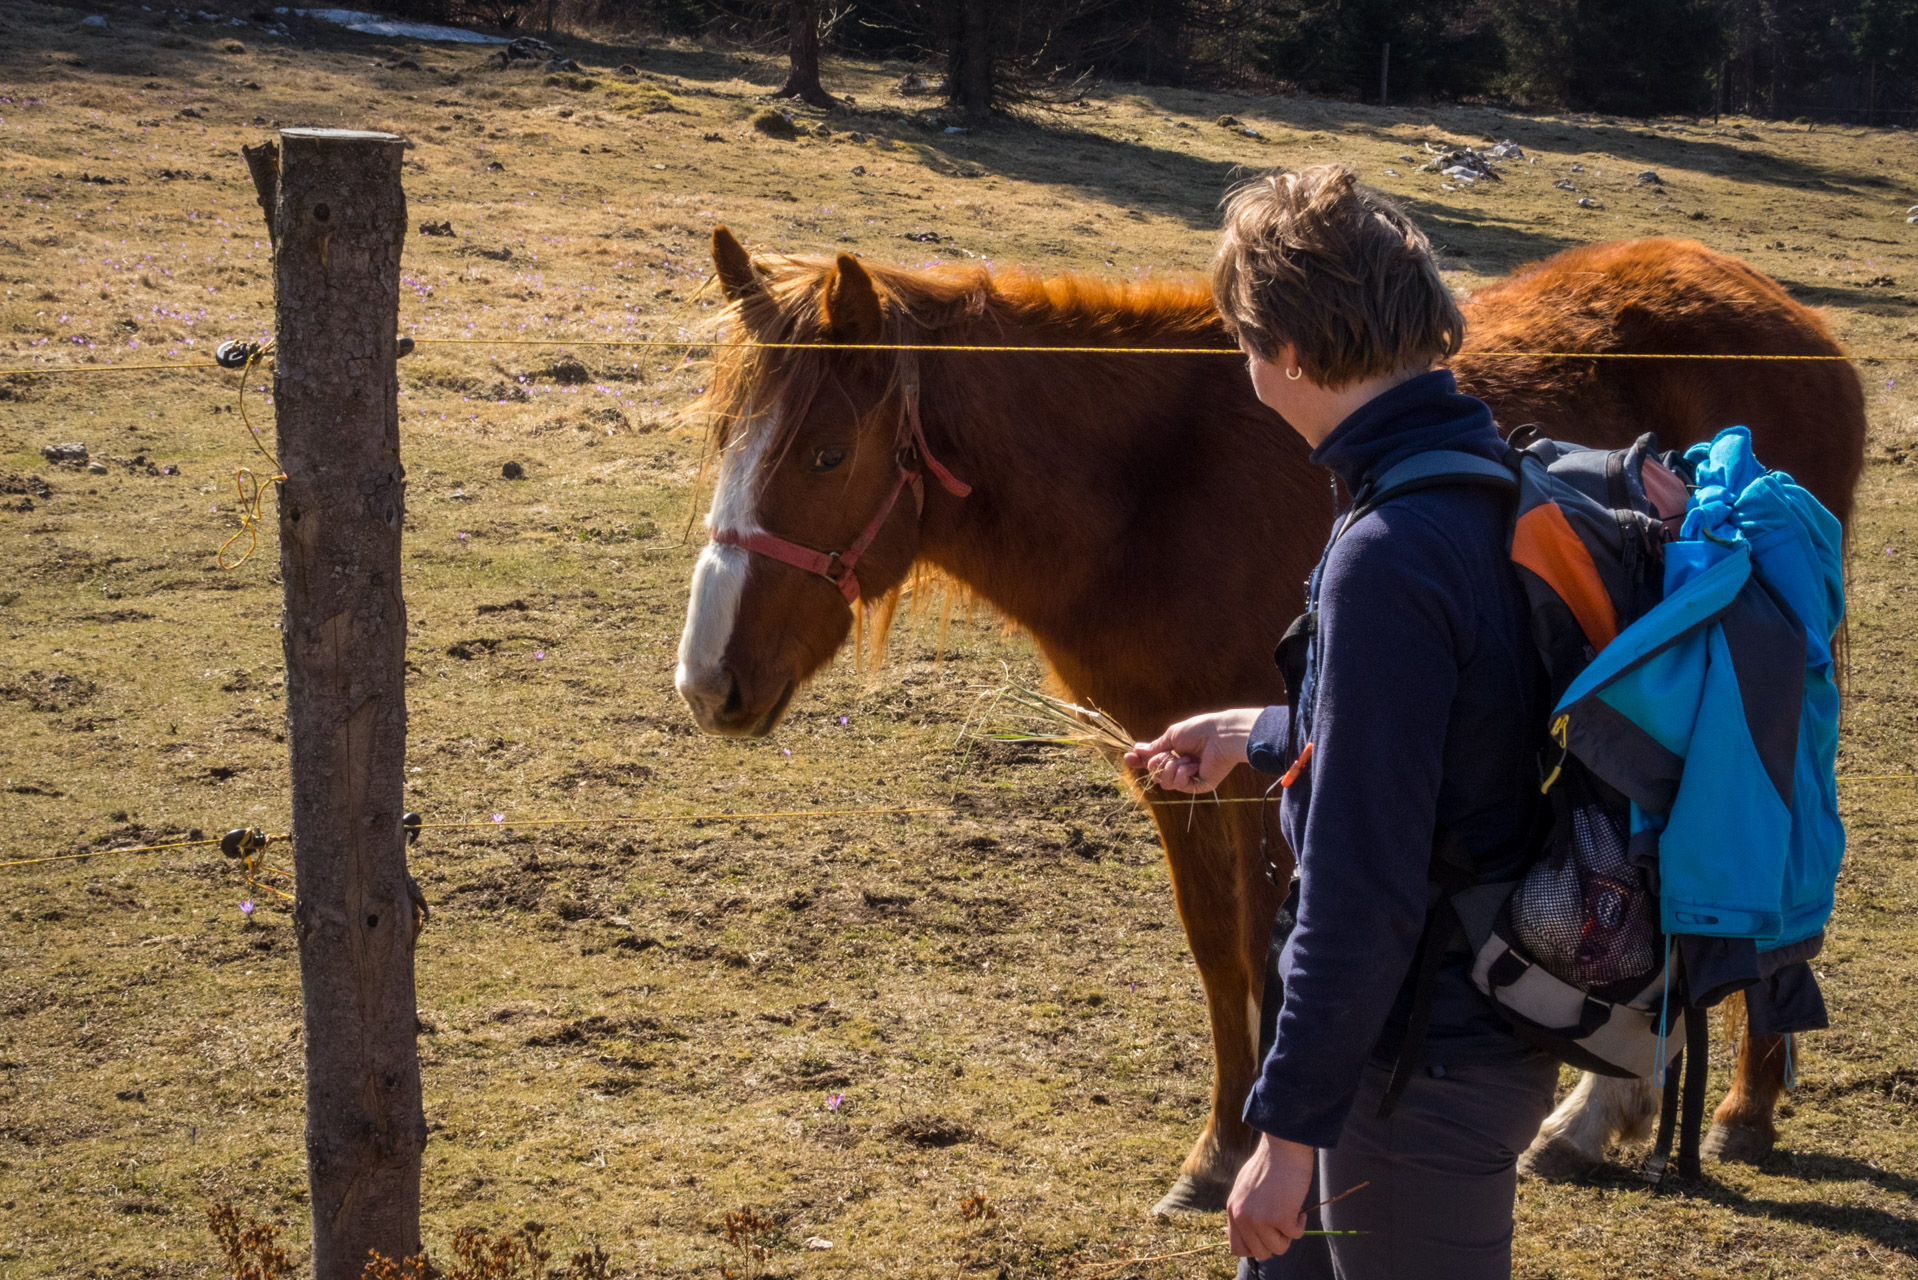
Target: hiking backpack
[(1687, 780)]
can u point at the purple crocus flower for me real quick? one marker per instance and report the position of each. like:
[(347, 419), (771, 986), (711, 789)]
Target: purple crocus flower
[(246, 908)]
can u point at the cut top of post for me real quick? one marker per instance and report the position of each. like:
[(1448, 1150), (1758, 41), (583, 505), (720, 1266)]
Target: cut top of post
[(339, 135)]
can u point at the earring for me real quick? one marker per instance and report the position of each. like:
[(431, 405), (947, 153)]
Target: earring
[(1293, 374)]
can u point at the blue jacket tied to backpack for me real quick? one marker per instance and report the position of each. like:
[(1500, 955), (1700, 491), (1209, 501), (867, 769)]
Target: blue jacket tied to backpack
[(1716, 713)]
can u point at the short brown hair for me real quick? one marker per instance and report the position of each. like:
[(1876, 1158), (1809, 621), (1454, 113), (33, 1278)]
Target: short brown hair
[(1336, 269)]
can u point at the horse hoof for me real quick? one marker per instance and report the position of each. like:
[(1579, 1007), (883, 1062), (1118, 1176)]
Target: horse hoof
[(1191, 1196), (1554, 1162), (1737, 1142)]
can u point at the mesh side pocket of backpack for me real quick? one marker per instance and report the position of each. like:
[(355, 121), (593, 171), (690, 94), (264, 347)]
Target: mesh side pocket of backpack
[(1584, 912)]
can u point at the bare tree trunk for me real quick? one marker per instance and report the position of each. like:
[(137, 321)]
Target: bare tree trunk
[(802, 81), (341, 215), (969, 60)]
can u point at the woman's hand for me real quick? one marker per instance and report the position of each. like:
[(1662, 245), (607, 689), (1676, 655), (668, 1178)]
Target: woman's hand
[(1266, 1211), (1195, 755)]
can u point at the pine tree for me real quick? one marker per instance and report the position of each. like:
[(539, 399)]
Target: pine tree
[(1438, 48), (1635, 57)]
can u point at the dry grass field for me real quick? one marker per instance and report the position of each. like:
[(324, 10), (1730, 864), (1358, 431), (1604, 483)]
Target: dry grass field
[(629, 1031)]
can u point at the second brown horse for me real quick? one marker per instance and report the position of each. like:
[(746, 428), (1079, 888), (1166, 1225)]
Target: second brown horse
[(1123, 507)]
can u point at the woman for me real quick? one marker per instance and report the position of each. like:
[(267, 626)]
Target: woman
[(1417, 724)]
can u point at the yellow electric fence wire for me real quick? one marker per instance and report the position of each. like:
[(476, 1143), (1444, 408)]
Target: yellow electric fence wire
[(249, 510), (1086, 351), (687, 344), (509, 822), (682, 817), (1882, 777), (108, 853), (110, 368), (250, 514), (695, 817)]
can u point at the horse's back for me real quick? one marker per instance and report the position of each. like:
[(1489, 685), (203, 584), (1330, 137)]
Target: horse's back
[(1668, 296)]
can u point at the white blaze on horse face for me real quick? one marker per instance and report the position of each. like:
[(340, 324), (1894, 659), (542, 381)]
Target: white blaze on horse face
[(719, 576)]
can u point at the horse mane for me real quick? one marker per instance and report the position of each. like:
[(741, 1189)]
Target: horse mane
[(946, 305), (776, 337)]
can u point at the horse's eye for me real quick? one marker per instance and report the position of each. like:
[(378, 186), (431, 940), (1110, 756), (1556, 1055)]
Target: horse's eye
[(827, 459)]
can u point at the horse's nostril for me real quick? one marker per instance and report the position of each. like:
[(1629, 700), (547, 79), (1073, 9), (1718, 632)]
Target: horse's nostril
[(733, 699)]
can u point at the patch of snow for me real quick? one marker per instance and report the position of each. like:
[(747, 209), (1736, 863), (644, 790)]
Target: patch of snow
[(94, 20), (372, 24)]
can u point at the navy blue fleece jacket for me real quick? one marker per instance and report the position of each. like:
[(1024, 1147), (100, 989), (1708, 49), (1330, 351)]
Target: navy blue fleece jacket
[(1425, 718)]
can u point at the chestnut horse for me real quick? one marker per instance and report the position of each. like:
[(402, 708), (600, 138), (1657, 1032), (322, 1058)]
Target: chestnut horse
[(1121, 509)]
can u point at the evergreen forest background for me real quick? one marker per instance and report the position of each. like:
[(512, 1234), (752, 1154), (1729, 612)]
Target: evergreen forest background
[(1840, 60)]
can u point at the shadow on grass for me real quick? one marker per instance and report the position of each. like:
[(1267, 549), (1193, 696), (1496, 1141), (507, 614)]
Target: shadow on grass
[(1883, 1228), (1878, 1226), (1648, 143), (1821, 1167)]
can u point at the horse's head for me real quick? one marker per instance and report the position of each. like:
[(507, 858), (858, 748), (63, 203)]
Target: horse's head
[(819, 488)]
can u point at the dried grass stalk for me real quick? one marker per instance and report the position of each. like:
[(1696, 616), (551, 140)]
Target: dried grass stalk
[(1052, 720)]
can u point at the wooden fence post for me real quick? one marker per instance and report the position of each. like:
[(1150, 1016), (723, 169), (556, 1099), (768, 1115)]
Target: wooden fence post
[(340, 217)]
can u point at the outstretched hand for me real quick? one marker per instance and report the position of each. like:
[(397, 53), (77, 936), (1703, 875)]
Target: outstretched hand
[(1195, 755)]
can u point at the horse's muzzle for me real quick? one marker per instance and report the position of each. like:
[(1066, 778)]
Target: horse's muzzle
[(719, 705)]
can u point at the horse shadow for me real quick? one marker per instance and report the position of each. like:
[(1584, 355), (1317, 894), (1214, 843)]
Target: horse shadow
[(1880, 1227), (1823, 1167)]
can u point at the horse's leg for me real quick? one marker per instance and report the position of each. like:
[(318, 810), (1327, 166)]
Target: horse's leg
[(1226, 906), (1742, 1126), (1573, 1137)]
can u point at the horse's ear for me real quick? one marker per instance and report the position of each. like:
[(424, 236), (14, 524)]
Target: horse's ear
[(734, 264), (852, 304)]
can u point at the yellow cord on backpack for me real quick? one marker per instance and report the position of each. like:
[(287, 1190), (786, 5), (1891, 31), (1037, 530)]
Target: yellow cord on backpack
[(1560, 733)]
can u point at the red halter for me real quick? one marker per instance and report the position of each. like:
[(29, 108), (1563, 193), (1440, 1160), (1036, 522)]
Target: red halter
[(837, 567)]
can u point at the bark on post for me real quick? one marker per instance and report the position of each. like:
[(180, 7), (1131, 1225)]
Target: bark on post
[(340, 218), (802, 48)]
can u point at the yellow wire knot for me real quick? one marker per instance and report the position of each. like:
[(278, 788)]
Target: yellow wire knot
[(250, 513)]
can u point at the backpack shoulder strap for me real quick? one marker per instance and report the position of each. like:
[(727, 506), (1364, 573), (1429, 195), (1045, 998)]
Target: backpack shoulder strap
[(1444, 466)]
